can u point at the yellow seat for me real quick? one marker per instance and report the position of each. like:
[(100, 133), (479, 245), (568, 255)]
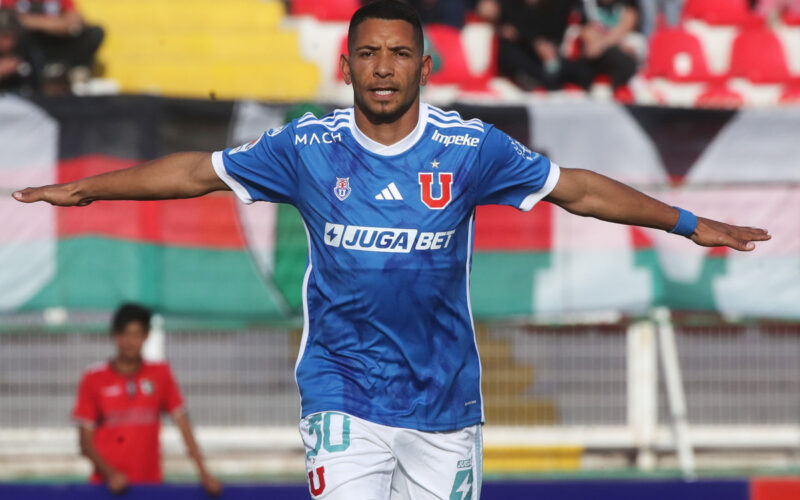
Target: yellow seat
[(180, 16), (223, 80), (202, 48), (239, 47)]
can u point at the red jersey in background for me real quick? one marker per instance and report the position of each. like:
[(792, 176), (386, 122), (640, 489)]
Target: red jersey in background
[(125, 412)]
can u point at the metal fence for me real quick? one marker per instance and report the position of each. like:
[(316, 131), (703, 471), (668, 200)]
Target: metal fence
[(533, 376)]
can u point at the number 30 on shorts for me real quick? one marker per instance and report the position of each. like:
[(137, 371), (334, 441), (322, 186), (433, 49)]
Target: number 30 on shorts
[(320, 425)]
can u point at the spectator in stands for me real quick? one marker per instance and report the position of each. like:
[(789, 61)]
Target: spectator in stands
[(530, 34), (448, 12), (771, 10), (650, 9), (118, 409), (64, 43), (16, 70), (611, 44)]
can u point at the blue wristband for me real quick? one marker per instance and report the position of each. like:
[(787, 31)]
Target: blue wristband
[(687, 223)]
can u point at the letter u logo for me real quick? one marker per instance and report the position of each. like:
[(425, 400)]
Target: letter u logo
[(426, 193), (316, 491)]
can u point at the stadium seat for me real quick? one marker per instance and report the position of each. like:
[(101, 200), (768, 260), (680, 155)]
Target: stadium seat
[(325, 10), (446, 42), (791, 95), (184, 16), (720, 97), (677, 55), (718, 12), (342, 50), (758, 56), (791, 19), (167, 47)]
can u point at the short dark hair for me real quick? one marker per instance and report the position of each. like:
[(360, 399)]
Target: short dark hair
[(130, 313), (390, 10)]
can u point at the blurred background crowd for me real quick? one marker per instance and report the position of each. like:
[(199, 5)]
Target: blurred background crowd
[(711, 53)]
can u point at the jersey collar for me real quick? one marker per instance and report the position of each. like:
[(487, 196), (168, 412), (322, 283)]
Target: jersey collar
[(398, 147)]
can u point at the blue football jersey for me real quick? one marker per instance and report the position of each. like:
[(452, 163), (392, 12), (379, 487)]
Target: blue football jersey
[(388, 333)]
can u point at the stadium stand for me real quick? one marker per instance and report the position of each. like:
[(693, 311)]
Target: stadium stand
[(719, 96), (677, 55), (722, 52), (447, 42), (791, 19), (340, 10), (165, 47), (758, 56), (718, 12), (791, 95)]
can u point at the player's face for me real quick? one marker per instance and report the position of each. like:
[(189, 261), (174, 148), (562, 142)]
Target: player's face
[(386, 69), (130, 341)]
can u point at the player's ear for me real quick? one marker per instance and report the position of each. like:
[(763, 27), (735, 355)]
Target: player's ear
[(427, 68), (344, 67)]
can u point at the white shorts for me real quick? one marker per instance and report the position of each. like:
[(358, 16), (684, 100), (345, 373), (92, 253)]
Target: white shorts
[(350, 458)]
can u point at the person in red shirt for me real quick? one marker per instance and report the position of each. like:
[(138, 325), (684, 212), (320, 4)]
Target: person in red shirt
[(118, 410)]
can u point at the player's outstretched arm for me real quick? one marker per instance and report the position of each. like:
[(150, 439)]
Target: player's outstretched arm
[(180, 175), (587, 193)]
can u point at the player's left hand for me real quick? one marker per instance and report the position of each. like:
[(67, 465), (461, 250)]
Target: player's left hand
[(212, 486), (711, 233)]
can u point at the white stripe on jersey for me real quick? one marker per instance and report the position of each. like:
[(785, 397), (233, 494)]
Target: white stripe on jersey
[(454, 125), (456, 118), (304, 337), (336, 118), (471, 226), (452, 116), (335, 125)]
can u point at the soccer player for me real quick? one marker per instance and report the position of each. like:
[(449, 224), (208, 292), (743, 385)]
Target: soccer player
[(388, 368), (118, 409)]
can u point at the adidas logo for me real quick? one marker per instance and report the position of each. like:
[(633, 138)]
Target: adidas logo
[(390, 192)]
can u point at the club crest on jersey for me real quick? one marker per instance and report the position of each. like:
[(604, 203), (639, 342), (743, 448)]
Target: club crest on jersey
[(342, 189), (275, 131), (445, 181), (146, 387), (245, 147)]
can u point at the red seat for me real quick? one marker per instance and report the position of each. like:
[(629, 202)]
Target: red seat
[(677, 55), (791, 18), (791, 95), (325, 10), (342, 50), (757, 55), (719, 97), (718, 12), (446, 41)]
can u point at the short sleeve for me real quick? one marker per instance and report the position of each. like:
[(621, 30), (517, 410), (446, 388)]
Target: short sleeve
[(261, 170), (172, 398), (511, 174), (85, 411)]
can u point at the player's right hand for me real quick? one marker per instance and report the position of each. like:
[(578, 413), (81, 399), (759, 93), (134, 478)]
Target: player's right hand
[(117, 482), (54, 194)]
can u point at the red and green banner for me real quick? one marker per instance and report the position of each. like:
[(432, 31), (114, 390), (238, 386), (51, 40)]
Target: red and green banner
[(214, 257)]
